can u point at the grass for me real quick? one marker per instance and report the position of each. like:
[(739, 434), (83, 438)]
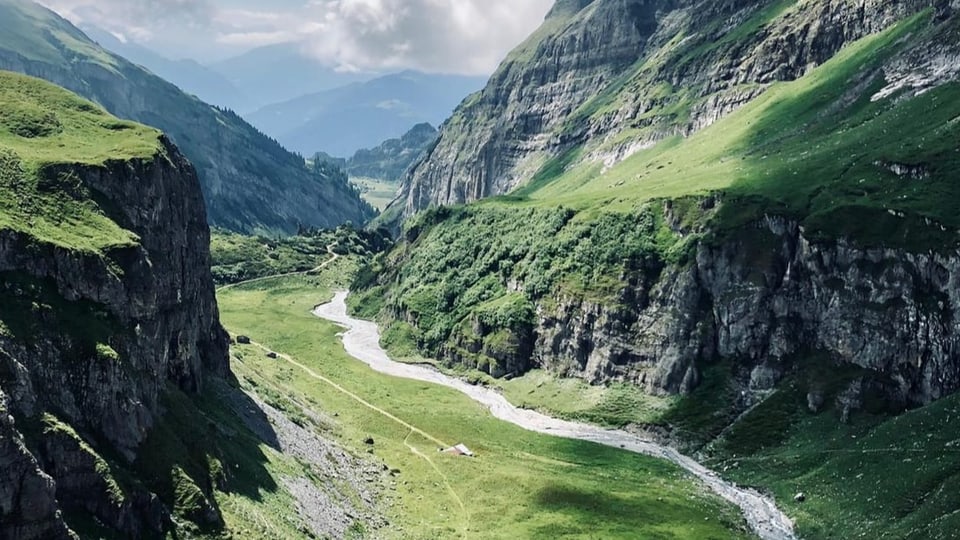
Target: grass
[(377, 192), (618, 405), (19, 17), (799, 149), (879, 476), (47, 135), (522, 485)]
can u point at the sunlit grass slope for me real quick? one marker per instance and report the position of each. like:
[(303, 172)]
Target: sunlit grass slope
[(522, 485), (818, 149), (43, 127)]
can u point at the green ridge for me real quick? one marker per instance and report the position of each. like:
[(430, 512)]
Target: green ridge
[(799, 150), (43, 127)]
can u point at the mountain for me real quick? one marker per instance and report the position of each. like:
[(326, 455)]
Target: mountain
[(107, 307), (344, 120), (250, 183), (192, 77), (736, 221), (613, 96), (278, 73), (377, 171), (388, 161)]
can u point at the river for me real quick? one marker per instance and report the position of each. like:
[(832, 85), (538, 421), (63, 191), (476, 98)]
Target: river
[(362, 341)]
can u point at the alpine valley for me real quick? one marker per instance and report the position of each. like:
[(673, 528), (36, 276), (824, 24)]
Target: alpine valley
[(682, 269)]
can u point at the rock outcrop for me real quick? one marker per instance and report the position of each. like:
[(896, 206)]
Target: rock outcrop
[(28, 504), (764, 299), (653, 68), (93, 333)]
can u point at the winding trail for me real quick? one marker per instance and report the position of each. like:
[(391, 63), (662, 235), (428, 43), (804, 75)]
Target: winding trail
[(326, 263), (362, 341)]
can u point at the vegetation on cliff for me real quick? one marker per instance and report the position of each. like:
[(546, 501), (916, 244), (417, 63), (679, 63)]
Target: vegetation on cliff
[(250, 182), (43, 126)]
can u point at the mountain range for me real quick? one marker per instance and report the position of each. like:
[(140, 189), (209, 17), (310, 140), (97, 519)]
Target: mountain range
[(249, 181), (316, 108), (192, 77), (362, 115), (282, 72)]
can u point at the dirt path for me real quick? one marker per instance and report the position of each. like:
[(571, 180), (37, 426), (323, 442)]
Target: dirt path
[(351, 395), (413, 429), (362, 341), (326, 263)]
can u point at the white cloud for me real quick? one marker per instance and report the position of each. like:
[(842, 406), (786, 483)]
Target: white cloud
[(453, 36), (464, 36)]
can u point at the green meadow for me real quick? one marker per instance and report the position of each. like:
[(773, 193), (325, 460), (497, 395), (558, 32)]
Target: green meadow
[(521, 485)]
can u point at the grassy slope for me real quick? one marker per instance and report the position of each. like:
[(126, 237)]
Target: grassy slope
[(522, 485), (378, 193), (879, 476), (793, 152), (22, 16), (42, 125)]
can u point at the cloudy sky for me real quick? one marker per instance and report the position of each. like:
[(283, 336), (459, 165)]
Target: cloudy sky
[(452, 36)]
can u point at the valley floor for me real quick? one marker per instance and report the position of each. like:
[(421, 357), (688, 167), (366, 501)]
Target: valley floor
[(878, 476), (521, 485)]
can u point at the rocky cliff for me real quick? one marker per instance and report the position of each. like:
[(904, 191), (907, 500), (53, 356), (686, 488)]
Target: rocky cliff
[(648, 300), (612, 77), (746, 184), (765, 298), (391, 159), (107, 300), (250, 183)]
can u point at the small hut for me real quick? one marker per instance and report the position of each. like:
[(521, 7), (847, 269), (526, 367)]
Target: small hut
[(460, 450)]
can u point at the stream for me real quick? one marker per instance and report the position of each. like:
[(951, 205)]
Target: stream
[(362, 341)]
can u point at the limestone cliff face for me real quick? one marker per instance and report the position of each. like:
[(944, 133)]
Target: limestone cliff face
[(90, 340), (765, 299), (654, 67)]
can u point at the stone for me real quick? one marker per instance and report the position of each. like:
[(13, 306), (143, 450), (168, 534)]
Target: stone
[(162, 324), (815, 401), (800, 497), (243, 340)]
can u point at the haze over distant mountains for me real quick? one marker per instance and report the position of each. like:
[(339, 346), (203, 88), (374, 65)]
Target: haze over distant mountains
[(191, 76), (308, 111), (277, 73), (363, 115)]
